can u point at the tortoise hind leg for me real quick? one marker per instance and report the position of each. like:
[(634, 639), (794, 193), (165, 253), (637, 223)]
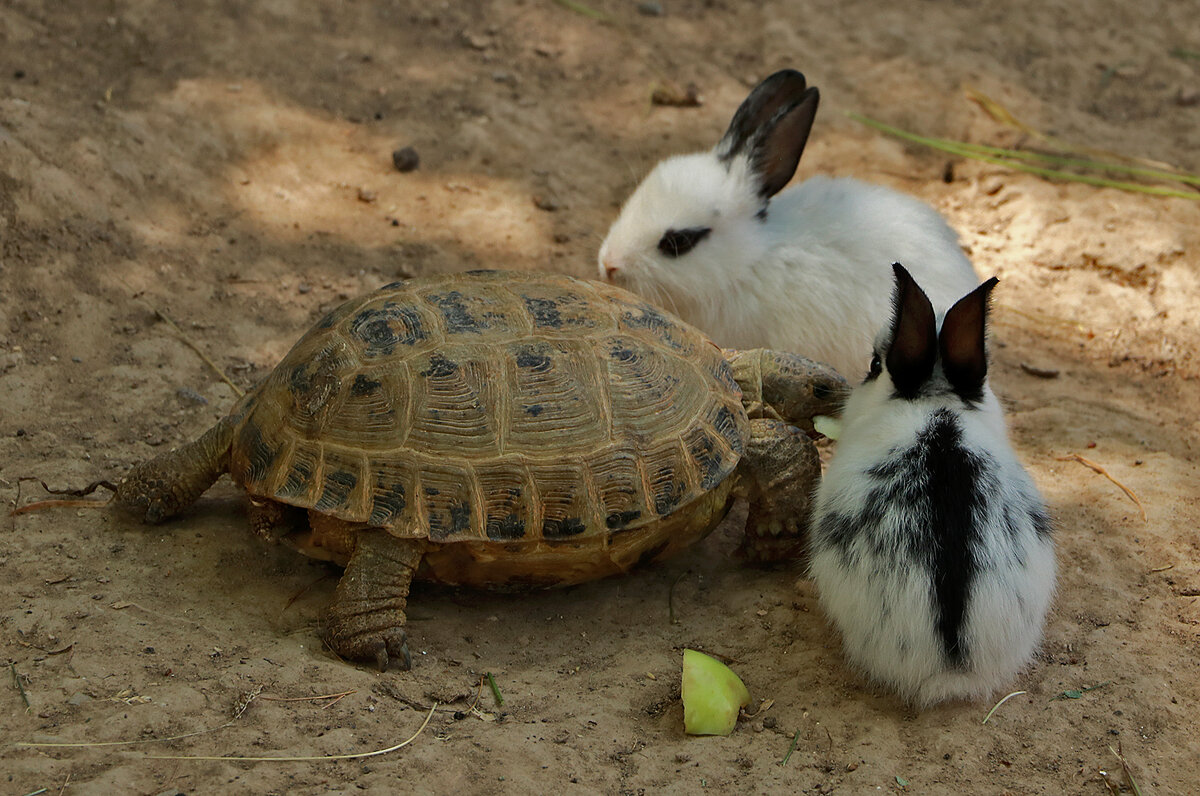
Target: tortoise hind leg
[(778, 473), (366, 618), (167, 484)]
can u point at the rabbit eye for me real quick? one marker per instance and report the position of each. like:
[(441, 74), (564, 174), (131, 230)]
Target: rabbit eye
[(876, 367), (677, 242)]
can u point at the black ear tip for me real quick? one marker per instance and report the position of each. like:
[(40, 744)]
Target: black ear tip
[(989, 284), (902, 274), (788, 75)]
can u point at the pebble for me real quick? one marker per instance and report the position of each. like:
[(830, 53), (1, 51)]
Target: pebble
[(303, 288), (650, 9), (406, 159), (545, 203), (1187, 97), (770, 722), (190, 396)]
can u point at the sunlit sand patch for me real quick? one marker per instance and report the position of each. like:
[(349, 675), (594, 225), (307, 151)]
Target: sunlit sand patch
[(296, 173)]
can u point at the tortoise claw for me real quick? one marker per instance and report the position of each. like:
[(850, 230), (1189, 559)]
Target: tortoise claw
[(386, 649), (393, 649)]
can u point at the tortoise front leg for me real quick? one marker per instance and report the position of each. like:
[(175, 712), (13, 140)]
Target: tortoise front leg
[(778, 474), (366, 618), (163, 486)]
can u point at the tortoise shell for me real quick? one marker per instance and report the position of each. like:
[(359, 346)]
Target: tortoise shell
[(494, 407)]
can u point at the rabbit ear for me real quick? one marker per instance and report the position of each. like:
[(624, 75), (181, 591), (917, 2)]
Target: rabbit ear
[(913, 349), (771, 128), (962, 342)]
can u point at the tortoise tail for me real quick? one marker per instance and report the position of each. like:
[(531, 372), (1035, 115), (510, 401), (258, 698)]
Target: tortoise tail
[(167, 484)]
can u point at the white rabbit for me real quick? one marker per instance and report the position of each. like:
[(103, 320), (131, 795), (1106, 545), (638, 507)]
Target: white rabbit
[(931, 549), (701, 236)]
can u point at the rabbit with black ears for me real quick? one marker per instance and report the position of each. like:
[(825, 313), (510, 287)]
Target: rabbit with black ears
[(931, 549), (702, 236)]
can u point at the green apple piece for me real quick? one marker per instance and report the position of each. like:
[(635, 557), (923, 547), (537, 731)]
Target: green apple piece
[(712, 695), (829, 426)]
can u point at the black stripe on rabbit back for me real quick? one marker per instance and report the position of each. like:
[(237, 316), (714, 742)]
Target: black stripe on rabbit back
[(924, 361), (933, 496)]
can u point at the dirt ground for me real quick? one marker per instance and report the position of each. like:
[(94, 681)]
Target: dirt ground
[(230, 165)]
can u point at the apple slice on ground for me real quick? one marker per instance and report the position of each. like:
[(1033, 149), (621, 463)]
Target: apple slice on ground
[(712, 695)]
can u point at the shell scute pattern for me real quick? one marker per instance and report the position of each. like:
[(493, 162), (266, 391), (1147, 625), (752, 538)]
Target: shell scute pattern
[(497, 407)]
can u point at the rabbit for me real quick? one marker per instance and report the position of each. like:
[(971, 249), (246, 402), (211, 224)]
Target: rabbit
[(931, 549), (702, 237)]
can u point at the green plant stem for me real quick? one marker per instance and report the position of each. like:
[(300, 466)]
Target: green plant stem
[(1011, 159), (580, 8), (795, 740), (12, 667), (495, 690)]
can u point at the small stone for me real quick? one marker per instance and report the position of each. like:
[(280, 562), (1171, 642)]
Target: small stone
[(507, 78), (770, 722), (304, 288), (190, 396), (406, 159), (78, 699), (1187, 97), (545, 203), (562, 237), (992, 186), (366, 196), (18, 74), (650, 9), (476, 42)]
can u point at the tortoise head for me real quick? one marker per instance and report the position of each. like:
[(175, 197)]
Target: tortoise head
[(790, 387)]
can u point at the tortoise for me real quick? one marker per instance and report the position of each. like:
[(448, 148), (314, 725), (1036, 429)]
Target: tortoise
[(503, 429)]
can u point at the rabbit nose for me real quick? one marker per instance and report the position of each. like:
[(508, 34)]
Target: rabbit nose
[(609, 268)]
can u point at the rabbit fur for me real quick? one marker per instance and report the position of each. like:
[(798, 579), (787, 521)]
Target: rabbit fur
[(709, 236), (931, 548)]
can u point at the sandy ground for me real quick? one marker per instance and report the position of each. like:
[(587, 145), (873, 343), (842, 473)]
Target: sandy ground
[(232, 168)]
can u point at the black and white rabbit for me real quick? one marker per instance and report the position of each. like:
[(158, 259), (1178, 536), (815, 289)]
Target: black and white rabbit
[(931, 547), (702, 236)]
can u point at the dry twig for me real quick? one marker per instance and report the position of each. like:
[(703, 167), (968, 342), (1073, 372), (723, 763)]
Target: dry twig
[(54, 502), (1075, 457), (184, 338), (308, 758), (996, 706), (1133, 786)]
